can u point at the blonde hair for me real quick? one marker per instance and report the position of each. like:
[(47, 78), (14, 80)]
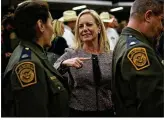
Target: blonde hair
[(57, 27), (103, 40)]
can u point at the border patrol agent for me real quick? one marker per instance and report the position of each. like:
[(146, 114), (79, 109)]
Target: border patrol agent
[(138, 84), (32, 87)]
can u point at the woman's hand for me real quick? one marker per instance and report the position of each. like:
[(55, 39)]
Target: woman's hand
[(76, 62)]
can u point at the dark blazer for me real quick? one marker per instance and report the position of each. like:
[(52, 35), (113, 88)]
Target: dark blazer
[(58, 46)]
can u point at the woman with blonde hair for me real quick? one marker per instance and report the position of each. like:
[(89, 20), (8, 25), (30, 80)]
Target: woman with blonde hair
[(88, 65)]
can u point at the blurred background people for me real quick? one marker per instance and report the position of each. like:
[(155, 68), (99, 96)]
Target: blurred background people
[(31, 86), (8, 39), (69, 19), (110, 23), (58, 43), (88, 65), (121, 26), (137, 69), (160, 44)]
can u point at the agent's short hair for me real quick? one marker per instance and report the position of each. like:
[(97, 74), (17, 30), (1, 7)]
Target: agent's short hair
[(140, 7), (26, 16)]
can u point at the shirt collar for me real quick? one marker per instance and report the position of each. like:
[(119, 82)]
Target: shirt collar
[(33, 46), (67, 27), (141, 37)]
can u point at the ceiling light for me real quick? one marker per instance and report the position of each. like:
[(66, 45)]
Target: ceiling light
[(116, 9), (87, 2), (125, 3), (79, 7)]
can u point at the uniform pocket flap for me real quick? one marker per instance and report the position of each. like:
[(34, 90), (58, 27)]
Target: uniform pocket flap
[(55, 85)]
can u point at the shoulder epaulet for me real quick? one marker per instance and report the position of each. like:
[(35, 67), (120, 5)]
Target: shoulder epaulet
[(131, 40), (26, 54)]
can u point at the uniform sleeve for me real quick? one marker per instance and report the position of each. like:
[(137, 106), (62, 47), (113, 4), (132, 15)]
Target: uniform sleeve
[(143, 72), (63, 69), (29, 85)]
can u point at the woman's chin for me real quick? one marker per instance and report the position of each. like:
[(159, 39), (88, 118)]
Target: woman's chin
[(86, 40)]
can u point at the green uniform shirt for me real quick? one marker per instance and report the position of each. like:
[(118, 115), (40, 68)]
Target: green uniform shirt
[(138, 81), (31, 86)]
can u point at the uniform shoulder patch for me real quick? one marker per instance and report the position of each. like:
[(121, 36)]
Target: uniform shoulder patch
[(26, 73), (138, 57)]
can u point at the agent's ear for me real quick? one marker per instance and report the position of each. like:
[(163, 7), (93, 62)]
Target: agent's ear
[(148, 15), (40, 26)]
